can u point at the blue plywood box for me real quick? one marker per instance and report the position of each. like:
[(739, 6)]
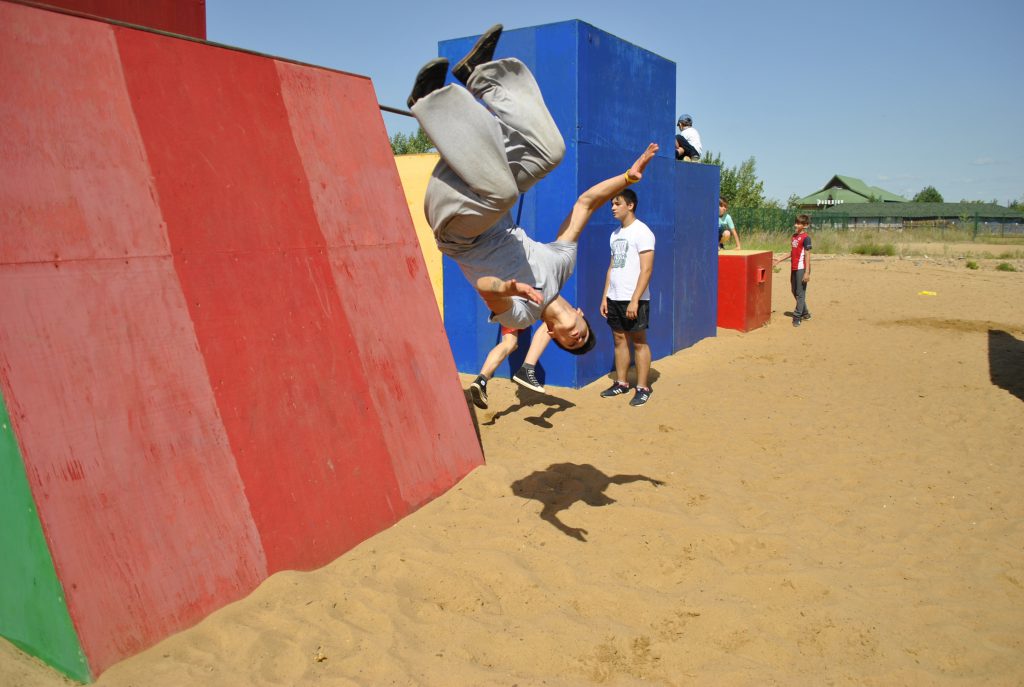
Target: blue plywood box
[(610, 99), (695, 253)]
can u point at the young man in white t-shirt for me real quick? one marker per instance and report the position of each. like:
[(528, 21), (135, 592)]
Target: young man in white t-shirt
[(626, 302)]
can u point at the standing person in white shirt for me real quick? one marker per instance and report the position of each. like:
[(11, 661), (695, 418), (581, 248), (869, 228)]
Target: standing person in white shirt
[(688, 145), (626, 302)]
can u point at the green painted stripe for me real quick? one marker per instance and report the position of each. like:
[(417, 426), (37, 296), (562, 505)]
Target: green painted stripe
[(33, 612)]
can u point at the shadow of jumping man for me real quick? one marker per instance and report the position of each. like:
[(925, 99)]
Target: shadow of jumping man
[(526, 399), (562, 484)]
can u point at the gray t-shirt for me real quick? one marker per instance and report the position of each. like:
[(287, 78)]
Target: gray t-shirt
[(506, 252)]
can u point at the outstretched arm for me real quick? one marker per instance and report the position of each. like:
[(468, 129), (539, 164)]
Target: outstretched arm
[(599, 194), (626, 479), (497, 294)]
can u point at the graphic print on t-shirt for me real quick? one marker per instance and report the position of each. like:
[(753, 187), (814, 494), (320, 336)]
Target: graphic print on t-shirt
[(619, 249)]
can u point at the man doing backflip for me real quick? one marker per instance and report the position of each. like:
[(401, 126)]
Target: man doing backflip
[(490, 153)]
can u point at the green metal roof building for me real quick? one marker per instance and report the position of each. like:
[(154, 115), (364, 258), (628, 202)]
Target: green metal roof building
[(843, 190), (849, 203)]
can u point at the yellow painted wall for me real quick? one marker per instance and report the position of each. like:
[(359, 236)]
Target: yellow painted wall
[(414, 172)]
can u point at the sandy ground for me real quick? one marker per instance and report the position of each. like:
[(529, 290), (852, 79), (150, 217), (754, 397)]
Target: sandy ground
[(839, 504)]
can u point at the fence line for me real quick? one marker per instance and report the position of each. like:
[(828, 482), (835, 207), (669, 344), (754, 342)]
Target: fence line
[(777, 220)]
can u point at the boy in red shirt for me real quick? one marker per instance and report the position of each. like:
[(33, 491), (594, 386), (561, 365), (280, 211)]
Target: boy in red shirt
[(800, 259)]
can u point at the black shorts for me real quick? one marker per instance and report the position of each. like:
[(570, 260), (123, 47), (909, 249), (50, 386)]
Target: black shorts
[(618, 321)]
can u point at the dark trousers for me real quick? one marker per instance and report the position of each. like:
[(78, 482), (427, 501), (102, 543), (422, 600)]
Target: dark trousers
[(688, 150), (796, 282)]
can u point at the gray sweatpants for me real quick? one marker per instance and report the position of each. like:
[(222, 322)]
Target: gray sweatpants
[(796, 282), (489, 155)]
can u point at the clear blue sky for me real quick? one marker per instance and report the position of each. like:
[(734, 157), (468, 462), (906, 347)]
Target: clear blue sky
[(900, 94)]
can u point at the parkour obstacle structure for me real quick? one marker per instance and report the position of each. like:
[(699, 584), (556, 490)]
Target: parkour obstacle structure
[(609, 99), (219, 353)]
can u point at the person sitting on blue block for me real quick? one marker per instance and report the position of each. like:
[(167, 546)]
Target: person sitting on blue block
[(688, 145), (490, 153)]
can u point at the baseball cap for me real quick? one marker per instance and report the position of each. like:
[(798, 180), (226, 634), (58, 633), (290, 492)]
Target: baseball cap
[(684, 118)]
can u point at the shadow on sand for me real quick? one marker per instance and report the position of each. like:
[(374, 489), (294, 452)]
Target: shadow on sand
[(528, 399), (1006, 362), (563, 484)]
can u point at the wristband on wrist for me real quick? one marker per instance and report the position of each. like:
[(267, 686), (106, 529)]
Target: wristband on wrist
[(628, 179)]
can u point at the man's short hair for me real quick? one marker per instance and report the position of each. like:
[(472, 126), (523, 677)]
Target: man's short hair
[(629, 195), (586, 347), (723, 201), (804, 219)]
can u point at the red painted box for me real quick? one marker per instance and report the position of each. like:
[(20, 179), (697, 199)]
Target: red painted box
[(744, 289)]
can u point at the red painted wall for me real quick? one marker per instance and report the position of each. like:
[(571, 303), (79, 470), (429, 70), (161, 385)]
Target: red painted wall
[(187, 17), (253, 264), (136, 486), (377, 263), (218, 339)]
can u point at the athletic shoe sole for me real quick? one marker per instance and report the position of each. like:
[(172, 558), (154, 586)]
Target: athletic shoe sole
[(479, 397), (430, 77), (481, 52)]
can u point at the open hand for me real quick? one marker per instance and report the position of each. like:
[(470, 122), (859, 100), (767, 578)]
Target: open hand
[(526, 291), (637, 170)]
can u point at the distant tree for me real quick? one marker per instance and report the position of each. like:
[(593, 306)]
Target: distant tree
[(710, 158), (740, 184), (1016, 204), (792, 202), (928, 195), (414, 143)]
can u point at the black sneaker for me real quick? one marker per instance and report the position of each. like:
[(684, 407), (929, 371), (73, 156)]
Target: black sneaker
[(796, 321), (805, 316), (430, 78), (527, 376), (478, 390), (615, 389), (482, 51), (642, 395)]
